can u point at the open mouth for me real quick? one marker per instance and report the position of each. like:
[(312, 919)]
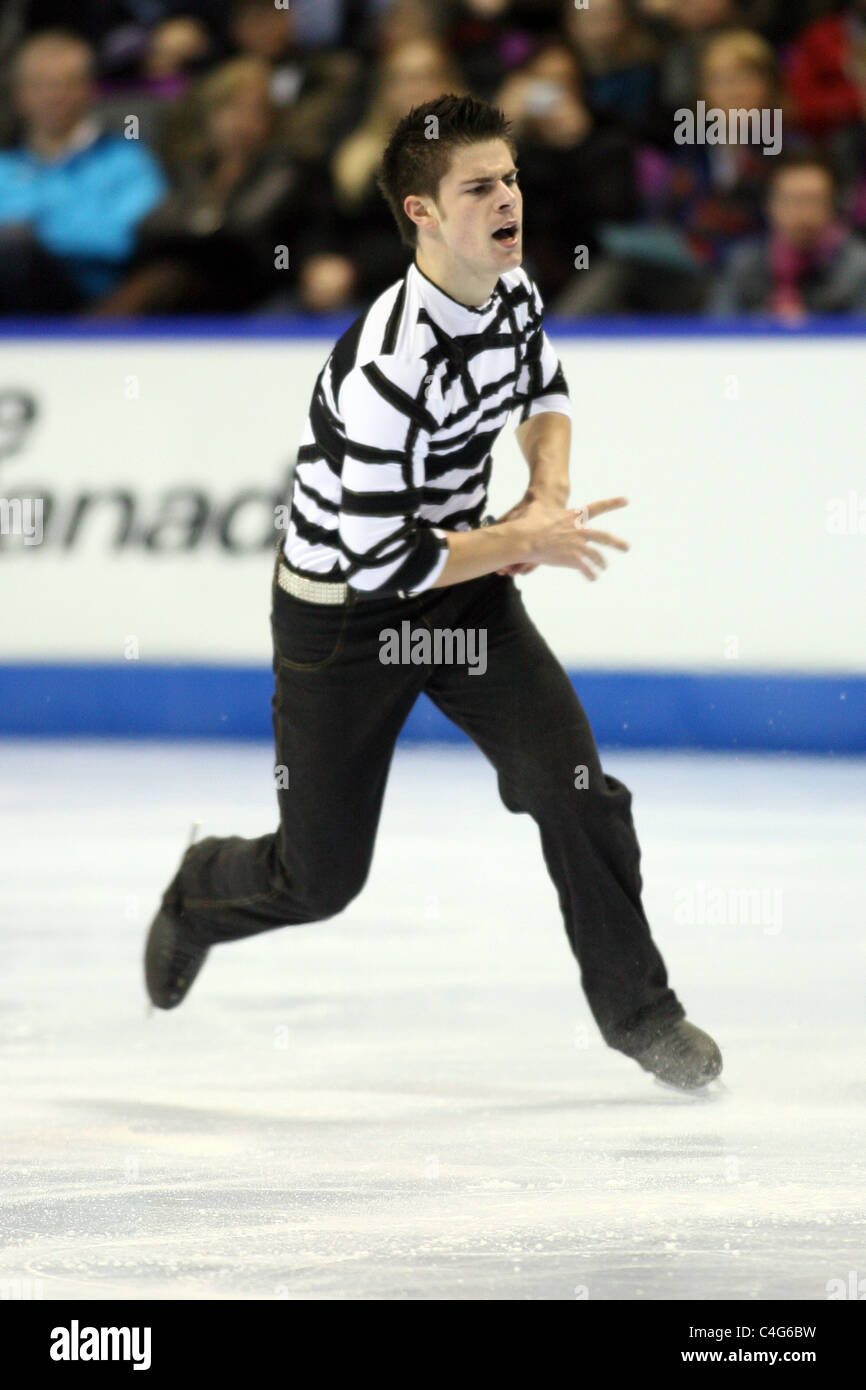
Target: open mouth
[(507, 235)]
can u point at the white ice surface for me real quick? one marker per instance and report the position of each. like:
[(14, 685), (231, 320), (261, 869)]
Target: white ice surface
[(411, 1101)]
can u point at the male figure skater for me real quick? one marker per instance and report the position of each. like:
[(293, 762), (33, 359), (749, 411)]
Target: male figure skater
[(387, 524)]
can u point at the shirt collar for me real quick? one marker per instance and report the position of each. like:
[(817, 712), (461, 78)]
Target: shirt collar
[(452, 316)]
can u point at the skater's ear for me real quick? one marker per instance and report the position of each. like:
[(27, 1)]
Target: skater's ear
[(421, 211)]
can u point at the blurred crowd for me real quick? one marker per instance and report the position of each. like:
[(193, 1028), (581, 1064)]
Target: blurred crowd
[(219, 156)]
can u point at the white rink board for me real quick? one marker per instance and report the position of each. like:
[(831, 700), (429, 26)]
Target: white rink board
[(731, 450)]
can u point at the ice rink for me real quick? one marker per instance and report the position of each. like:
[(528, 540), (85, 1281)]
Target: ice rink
[(411, 1101)]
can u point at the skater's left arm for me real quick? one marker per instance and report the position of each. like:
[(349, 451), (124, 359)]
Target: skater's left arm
[(545, 441), (544, 428)]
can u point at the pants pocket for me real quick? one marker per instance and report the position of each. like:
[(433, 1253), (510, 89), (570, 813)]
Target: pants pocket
[(306, 636)]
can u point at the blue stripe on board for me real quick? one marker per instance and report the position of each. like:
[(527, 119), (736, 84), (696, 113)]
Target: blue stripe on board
[(635, 709), (298, 326)]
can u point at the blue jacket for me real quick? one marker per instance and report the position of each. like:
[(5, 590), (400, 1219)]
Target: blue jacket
[(85, 207)]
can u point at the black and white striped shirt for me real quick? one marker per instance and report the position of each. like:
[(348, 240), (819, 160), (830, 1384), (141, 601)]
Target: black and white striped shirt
[(397, 445)]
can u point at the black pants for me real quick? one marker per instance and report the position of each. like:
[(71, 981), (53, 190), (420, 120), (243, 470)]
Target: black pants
[(337, 711)]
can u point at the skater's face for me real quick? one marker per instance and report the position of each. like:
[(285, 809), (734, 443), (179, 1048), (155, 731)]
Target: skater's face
[(478, 196)]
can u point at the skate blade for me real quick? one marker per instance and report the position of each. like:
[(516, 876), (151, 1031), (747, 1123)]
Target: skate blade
[(711, 1090)]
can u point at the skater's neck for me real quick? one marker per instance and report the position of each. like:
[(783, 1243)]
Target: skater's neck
[(470, 289)]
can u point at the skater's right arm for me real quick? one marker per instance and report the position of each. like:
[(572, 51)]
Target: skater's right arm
[(543, 534)]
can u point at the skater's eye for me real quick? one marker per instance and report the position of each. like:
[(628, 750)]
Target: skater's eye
[(483, 187)]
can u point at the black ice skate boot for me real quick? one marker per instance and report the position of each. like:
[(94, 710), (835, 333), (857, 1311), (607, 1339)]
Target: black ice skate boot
[(172, 959), (682, 1056)]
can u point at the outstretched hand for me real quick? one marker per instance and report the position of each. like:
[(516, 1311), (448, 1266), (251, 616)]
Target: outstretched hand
[(560, 536)]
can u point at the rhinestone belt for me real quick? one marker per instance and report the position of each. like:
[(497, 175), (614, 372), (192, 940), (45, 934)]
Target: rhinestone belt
[(311, 590)]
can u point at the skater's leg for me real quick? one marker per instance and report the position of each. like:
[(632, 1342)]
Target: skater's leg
[(524, 715), (337, 712)]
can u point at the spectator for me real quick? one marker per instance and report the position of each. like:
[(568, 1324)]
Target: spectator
[(119, 31), (314, 91), (492, 38), (691, 23), (846, 147), (211, 246), (398, 21), (775, 19), (164, 57), (357, 256), (175, 48), (576, 171), (715, 193), (703, 16), (619, 60), (696, 203), (259, 30), (821, 74), (808, 263), (170, 55), (71, 197)]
